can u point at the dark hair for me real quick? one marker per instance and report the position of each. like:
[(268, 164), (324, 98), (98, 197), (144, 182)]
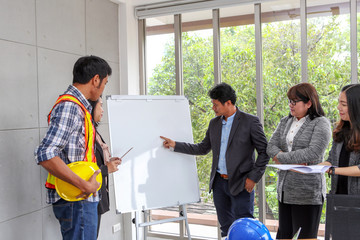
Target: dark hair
[(93, 105), (349, 131), (223, 92), (87, 67), (307, 92)]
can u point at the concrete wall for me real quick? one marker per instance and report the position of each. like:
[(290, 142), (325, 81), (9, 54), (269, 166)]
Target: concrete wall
[(39, 42)]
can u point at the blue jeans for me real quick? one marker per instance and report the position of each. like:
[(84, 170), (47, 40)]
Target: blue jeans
[(78, 220), (228, 207)]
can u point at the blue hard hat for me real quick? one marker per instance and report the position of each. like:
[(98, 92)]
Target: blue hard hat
[(248, 229)]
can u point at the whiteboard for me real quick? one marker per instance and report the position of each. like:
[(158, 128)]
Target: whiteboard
[(151, 176)]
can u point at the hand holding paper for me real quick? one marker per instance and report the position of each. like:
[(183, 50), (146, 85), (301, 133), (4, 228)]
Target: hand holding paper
[(301, 168)]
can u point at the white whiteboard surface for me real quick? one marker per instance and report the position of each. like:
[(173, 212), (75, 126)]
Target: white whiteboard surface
[(151, 176)]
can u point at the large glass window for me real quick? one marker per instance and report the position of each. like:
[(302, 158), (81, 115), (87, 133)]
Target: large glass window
[(198, 68), (238, 62), (161, 80), (329, 66), (198, 78), (281, 70), (160, 56), (329, 60), (237, 45)]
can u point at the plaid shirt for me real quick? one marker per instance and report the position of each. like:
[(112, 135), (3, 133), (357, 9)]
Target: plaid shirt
[(65, 136)]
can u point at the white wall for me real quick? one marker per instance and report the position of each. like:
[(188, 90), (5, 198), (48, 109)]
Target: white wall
[(40, 40)]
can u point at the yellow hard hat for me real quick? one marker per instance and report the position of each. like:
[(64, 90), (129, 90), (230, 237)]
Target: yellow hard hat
[(84, 170)]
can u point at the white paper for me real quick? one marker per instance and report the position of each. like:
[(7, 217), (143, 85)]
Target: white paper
[(301, 168)]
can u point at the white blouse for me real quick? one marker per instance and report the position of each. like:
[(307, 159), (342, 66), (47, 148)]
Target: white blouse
[(295, 126)]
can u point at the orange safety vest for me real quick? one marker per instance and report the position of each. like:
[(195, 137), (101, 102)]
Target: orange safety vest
[(89, 135)]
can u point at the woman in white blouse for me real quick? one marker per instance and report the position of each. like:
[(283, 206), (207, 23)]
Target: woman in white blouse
[(300, 138)]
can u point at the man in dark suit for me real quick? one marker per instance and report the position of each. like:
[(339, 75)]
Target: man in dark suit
[(232, 136)]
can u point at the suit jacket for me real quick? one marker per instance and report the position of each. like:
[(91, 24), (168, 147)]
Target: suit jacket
[(246, 135), (353, 182), (308, 147), (104, 190)]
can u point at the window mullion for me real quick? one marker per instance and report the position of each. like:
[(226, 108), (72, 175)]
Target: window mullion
[(216, 42), (304, 51), (178, 55), (353, 41), (259, 100)]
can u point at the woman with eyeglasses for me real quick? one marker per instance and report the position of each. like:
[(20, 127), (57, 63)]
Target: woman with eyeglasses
[(345, 148), (300, 138)]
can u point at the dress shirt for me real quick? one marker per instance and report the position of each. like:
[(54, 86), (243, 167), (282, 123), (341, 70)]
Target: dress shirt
[(225, 132), (65, 136), (295, 126)]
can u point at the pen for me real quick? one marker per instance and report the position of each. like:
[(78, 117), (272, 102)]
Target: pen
[(126, 152)]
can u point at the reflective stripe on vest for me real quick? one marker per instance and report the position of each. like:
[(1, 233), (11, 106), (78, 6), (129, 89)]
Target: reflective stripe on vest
[(89, 135)]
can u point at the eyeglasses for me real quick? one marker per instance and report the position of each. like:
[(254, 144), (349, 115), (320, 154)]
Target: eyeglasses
[(293, 102)]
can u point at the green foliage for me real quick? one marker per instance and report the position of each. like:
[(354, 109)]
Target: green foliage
[(281, 56), (328, 70), (238, 64)]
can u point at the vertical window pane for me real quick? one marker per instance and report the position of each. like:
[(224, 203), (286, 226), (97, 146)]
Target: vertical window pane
[(281, 70), (160, 56), (197, 50), (329, 59), (198, 68), (161, 80), (238, 63)]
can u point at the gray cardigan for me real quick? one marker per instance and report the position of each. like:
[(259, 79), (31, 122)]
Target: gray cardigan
[(308, 147), (353, 182)]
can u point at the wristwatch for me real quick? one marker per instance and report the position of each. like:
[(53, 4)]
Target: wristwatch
[(332, 171)]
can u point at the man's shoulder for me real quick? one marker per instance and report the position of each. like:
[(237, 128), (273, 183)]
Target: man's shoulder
[(68, 110), (215, 119), (67, 106), (245, 115)]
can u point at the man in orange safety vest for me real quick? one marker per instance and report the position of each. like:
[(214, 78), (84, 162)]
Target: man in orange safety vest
[(70, 138)]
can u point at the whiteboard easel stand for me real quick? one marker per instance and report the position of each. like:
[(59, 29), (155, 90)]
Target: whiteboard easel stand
[(183, 224), (146, 223)]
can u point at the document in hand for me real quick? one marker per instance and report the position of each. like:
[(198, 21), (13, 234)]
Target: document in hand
[(301, 168), (296, 236)]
